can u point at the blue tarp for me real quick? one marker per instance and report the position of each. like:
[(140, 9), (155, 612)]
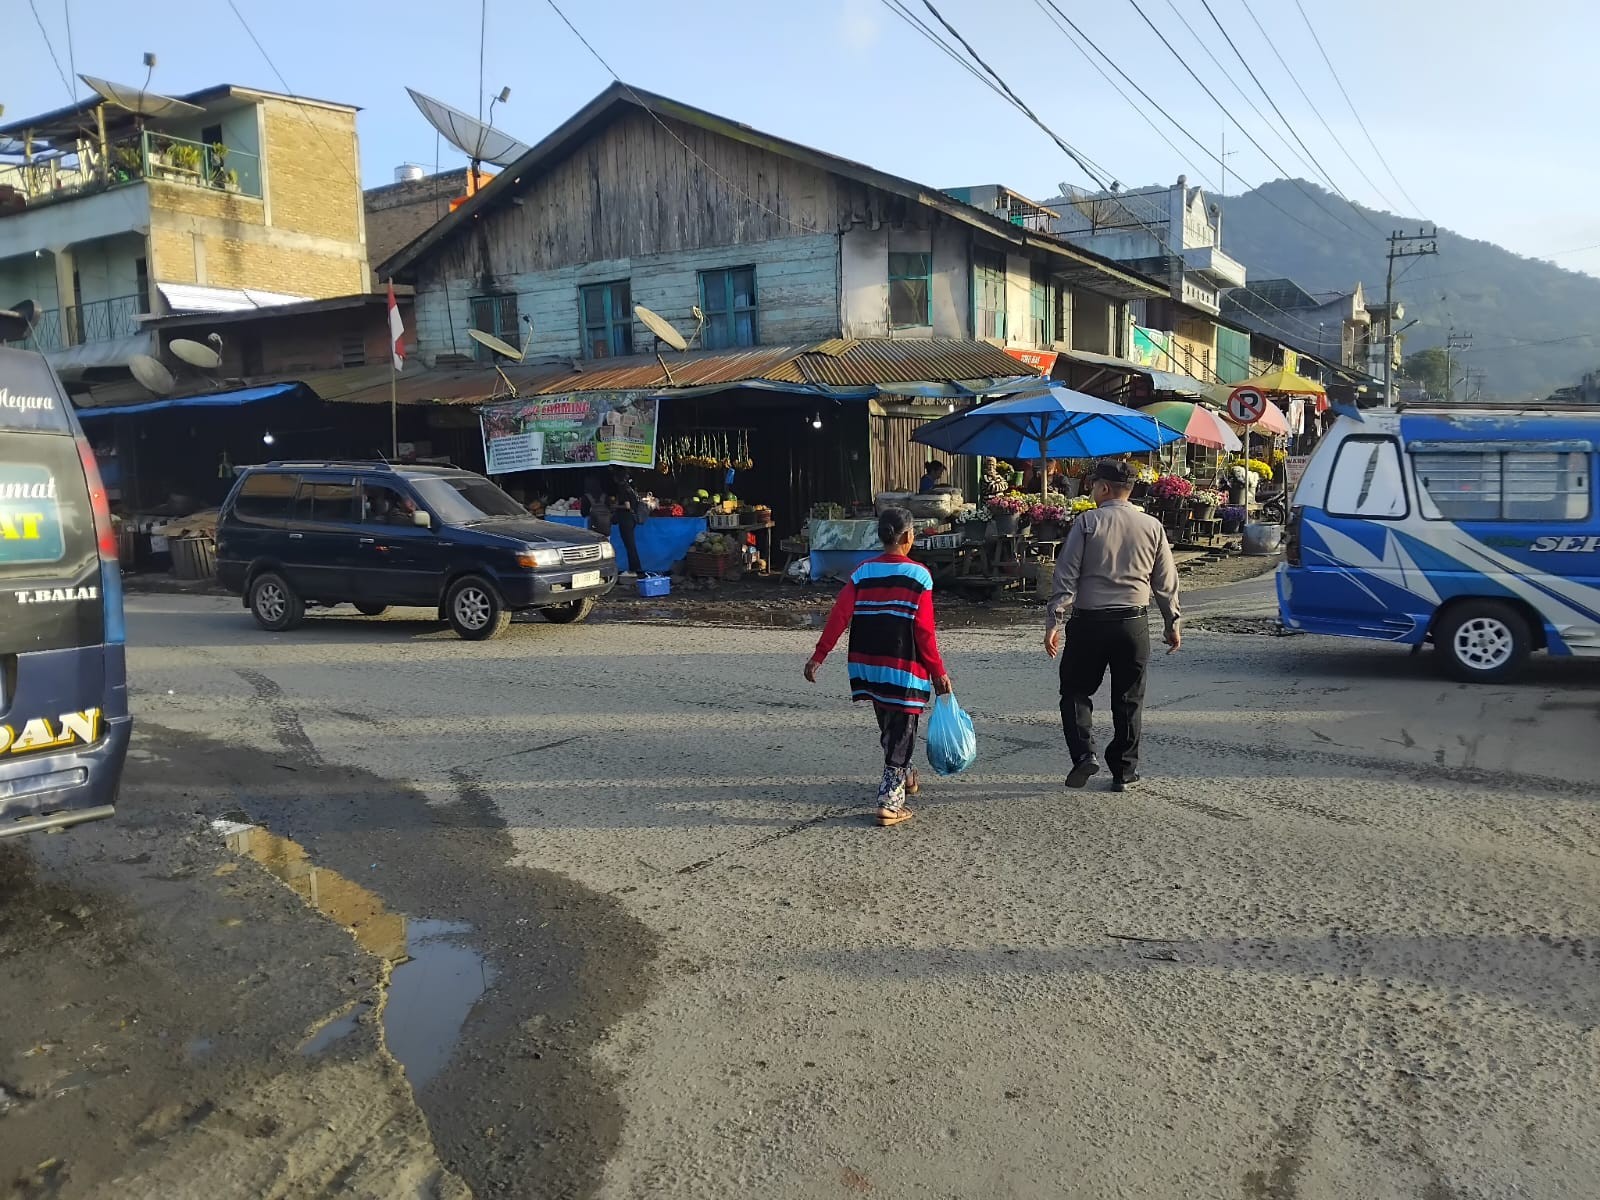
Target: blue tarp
[(211, 400), (662, 541)]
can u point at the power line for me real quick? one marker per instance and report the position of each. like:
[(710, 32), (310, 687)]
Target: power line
[(1355, 112), (1262, 150), (72, 57), (1294, 78), (1026, 111), (1178, 125), (290, 92), (1262, 88), (483, 27), (899, 9), (1229, 76), (50, 46)]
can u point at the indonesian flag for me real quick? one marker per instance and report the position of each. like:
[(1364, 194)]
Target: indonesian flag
[(397, 331)]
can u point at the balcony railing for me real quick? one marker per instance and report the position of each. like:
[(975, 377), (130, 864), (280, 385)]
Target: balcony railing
[(104, 320), (146, 155)]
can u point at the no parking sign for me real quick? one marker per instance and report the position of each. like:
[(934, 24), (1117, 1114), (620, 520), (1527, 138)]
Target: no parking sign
[(1246, 406)]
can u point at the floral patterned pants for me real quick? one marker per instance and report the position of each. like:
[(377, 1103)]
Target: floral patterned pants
[(898, 730)]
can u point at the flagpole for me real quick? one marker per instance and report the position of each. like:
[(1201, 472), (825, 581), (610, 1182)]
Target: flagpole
[(394, 416)]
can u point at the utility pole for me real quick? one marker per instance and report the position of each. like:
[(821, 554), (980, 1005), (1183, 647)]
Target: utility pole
[(1401, 245), (1453, 341)]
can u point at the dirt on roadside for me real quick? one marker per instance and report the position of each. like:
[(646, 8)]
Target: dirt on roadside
[(162, 994)]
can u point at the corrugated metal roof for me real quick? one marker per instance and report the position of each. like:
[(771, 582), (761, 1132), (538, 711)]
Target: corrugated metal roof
[(195, 298), (869, 362)]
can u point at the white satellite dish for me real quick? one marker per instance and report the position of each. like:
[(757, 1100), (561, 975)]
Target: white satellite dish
[(151, 373), (660, 326), (196, 354), (479, 141), (504, 349), (140, 102)]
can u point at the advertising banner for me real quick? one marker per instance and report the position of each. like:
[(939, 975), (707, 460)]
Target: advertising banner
[(579, 429)]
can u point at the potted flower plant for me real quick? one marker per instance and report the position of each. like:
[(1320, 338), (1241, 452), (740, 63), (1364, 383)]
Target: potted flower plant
[(1171, 491), (1203, 503), (1049, 521), (1006, 512), (1232, 518)]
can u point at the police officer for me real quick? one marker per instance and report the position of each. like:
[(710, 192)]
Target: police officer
[(1115, 558)]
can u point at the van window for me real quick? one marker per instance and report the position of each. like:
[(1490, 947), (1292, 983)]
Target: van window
[(49, 558), (265, 496), (1514, 485), (326, 500), (1367, 481)]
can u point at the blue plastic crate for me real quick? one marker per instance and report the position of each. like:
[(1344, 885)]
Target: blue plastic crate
[(655, 585)]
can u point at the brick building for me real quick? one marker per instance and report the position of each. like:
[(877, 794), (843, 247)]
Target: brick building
[(400, 212), (223, 199)]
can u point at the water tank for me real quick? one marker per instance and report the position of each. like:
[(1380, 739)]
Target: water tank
[(407, 173)]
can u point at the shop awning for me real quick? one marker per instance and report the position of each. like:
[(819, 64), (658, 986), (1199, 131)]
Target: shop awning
[(1160, 381), (231, 399)]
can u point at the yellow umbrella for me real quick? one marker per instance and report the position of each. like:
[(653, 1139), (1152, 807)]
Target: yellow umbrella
[(1285, 381)]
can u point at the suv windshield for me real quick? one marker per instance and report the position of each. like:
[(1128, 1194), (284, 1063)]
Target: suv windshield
[(464, 499)]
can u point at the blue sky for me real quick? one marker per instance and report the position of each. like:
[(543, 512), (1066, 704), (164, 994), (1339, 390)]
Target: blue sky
[(1482, 109)]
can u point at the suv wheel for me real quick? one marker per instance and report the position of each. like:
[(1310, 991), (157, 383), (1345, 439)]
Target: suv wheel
[(568, 614), (372, 610), (275, 605), (474, 609), (1482, 641)]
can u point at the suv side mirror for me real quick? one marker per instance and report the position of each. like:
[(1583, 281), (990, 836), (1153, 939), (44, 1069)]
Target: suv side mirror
[(421, 520)]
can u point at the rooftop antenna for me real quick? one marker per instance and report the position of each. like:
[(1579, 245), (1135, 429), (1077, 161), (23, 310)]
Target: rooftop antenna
[(504, 350), (152, 374), (664, 331), (479, 140), (199, 354), (17, 322)]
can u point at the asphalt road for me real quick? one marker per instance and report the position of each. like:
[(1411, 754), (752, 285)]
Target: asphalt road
[(1343, 942)]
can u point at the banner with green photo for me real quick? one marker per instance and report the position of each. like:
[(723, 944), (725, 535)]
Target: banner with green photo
[(579, 429)]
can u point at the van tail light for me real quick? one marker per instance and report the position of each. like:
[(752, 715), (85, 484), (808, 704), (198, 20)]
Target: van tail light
[(105, 536), (1291, 537)]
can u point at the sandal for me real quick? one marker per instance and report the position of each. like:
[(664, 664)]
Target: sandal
[(894, 816), (913, 784)]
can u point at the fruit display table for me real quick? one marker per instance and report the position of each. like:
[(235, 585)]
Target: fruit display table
[(662, 541)]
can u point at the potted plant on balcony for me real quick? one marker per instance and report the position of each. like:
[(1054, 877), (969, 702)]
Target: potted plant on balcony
[(183, 157)]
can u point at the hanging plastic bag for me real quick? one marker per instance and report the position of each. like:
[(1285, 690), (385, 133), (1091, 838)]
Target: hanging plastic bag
[(952, 745)]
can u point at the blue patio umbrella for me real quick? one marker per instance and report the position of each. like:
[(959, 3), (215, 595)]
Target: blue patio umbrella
[(1053, 422)]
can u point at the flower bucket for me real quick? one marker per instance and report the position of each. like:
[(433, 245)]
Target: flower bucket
[(1049, 531), (1006, 524)]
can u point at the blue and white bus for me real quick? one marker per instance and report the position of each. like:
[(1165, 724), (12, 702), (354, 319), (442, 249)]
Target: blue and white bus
[(1474, 529)]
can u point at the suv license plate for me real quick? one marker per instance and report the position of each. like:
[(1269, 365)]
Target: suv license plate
[(584, 579)]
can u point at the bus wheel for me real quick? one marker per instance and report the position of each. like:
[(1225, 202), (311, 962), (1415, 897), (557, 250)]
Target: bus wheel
[(1482, 641)]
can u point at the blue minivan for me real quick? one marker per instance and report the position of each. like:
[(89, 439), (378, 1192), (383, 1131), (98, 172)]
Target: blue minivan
[(1474, 530), (64, 723)]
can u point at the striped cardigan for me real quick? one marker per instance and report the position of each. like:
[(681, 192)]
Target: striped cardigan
[(894, 652)]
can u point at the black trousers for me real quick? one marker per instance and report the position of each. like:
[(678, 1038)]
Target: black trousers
[(1092, 645), (898, 734), (626, 524)]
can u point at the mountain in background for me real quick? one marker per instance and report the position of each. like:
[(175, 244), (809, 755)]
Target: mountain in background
[(1472, 286)]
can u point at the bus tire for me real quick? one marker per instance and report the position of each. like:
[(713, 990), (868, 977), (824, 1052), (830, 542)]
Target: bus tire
[(1482, 641)]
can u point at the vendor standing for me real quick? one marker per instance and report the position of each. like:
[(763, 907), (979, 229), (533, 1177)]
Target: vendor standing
[(1114, 561), (932, 478)]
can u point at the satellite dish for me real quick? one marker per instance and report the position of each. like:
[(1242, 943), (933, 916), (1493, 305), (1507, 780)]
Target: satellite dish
[(140, 102), (480, 142), (660, 326), (196, 354), (151, 374), (505, 349), (17, 322)]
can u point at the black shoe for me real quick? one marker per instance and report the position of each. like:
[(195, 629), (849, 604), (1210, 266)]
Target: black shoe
[(1082, 771), (1121, 783)]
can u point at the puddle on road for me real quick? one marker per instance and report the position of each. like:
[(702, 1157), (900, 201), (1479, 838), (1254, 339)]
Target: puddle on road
[(434, 977)]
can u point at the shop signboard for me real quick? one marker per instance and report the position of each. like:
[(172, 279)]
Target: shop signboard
[(576, 429), (1293, 467)]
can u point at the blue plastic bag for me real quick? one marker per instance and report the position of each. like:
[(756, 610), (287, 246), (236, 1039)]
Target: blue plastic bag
[(952, 746)]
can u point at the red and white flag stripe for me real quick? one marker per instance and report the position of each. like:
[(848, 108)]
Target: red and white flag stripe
[(397, 331)]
